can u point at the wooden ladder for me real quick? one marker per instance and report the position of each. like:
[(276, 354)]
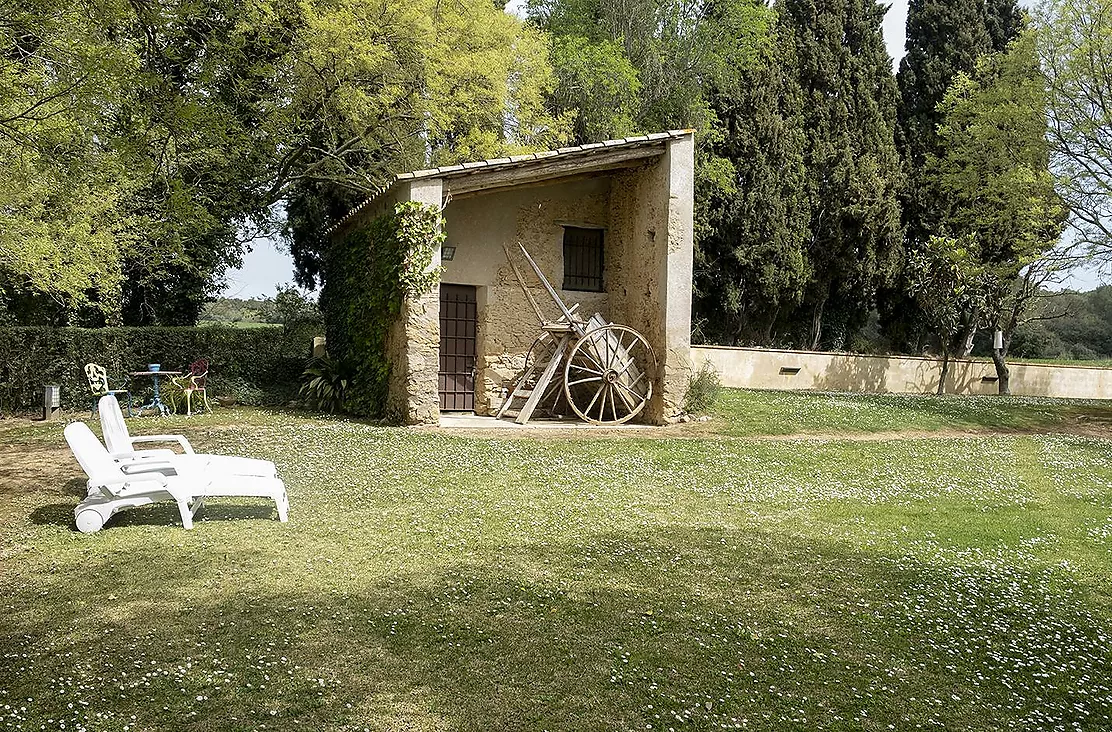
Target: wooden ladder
[(533, 395)]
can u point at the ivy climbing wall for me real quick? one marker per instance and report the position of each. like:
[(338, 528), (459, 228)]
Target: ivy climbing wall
[(380, 272)]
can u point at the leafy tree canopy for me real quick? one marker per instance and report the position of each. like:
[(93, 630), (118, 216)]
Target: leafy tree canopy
[(150, 142), (1075, 48)]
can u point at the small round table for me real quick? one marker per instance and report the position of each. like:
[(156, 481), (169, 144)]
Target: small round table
[(156, 402)]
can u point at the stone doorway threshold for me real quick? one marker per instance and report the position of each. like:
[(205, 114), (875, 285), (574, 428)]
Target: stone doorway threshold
[(475, 422)]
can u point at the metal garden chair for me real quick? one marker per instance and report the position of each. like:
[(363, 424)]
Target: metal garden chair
[(97, 377), (194, 381)]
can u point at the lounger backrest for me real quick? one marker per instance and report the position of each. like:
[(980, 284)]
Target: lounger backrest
[(94, 459), (116, 436)]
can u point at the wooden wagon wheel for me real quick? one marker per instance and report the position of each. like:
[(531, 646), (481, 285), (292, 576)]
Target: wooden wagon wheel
[(608, 378)]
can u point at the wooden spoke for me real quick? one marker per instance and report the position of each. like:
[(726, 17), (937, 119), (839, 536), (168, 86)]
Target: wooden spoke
[(597, 393), (632, 393), (584, 368), (625, 399), (589, 357), (620, 361)]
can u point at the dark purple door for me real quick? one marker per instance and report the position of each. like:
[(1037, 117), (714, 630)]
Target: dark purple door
[(458, 320)]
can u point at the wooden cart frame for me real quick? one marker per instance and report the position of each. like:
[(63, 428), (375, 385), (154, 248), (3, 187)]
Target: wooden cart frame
[(608, 369)]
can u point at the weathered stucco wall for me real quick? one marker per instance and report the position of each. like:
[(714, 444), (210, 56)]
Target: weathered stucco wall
[(651, 225), (754, 368), (478, 226)]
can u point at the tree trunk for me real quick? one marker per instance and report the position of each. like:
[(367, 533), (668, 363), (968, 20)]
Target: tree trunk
[(967, 337), (816, 325), (1002, 373), (945, 370), (767, 342)]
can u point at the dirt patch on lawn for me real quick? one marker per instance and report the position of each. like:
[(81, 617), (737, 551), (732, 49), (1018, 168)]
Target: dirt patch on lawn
[(27, 468)]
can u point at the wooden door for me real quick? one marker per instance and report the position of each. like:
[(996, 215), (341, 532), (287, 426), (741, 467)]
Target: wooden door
[(458, 321)]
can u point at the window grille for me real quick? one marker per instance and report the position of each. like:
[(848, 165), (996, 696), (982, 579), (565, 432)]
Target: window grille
[(583, 259)]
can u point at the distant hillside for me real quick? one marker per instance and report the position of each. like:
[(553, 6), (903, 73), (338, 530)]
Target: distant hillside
[(1082, 330), (232, 310)]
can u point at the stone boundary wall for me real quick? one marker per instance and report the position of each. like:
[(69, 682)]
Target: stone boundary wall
[(760, 368)]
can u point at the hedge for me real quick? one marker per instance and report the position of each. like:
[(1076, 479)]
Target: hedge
[(254, 365)]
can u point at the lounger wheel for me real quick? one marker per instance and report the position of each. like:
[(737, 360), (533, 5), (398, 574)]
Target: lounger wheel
[(89, 521)]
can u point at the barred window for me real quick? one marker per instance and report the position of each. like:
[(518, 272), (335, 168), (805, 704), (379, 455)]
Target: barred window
[(583, 259)]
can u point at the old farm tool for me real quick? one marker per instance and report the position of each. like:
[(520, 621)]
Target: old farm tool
[(607, 368)]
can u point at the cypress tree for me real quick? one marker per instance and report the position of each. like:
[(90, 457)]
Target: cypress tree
[(1004, 22), (848, 97), (750, 259), (944, 37)]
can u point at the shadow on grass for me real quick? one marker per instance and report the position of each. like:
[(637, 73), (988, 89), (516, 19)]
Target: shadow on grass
[(685, 628), (156, 514)]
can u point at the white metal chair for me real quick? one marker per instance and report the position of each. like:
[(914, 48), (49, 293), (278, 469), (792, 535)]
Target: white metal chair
[(97, 377), (121, 446), (117, 485)]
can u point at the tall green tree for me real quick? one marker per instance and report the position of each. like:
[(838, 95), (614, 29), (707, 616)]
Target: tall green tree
[(1075, 48), (944, 38), (848, 98), (751, 264), (992, 171)]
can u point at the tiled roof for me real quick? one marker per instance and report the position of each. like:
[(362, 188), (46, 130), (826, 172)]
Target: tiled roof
[(449, 171)]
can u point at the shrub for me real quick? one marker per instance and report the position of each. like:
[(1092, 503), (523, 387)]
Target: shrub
[(256, 365), (324, 385), (703, 388)]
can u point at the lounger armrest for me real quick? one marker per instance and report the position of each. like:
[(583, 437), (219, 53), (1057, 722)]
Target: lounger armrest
[(140, 467), (180, 439), (145, 455), (119, 482)]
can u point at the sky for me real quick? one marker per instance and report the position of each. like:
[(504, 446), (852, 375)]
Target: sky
[(269, 264)]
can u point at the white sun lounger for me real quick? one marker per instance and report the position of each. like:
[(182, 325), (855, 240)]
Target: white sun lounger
[(115, 485), (121, 445)]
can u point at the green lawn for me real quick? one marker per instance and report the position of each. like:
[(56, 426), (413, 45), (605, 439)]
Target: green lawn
[(751, 413), (702, 577)]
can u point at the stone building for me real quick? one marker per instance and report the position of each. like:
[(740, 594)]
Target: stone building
[(609, 224)]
